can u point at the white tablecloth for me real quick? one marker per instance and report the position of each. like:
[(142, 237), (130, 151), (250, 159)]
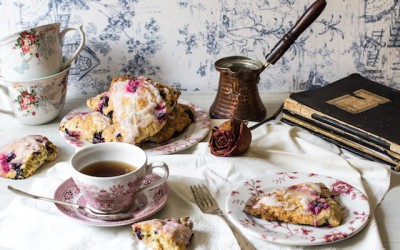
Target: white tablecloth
[(28, 224)]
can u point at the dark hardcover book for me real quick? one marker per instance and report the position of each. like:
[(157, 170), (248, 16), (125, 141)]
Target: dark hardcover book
[(343, 143), (335, 132), (356, 105)]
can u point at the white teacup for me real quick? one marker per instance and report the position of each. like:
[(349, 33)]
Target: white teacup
[(94, 172), (34, 102), (36, 52)]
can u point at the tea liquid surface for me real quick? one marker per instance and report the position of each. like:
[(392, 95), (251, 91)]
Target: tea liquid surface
[(107, 168)]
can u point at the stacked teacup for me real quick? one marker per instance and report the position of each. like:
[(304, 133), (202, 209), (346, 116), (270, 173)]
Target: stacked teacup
[(34, 72)]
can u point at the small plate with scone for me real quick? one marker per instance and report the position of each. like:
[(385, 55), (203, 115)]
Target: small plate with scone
[(295, 208), (140, 111)]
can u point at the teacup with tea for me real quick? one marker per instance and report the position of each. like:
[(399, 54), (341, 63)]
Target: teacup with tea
[(110, 175)]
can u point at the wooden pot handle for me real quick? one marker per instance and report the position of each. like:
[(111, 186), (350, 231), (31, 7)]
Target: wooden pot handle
[(289, 38)]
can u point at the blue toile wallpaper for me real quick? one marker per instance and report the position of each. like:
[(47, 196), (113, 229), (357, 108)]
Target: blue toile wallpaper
[(178, 41)]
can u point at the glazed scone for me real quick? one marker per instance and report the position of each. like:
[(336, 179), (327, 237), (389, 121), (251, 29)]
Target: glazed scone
[(140, 107), (102, 102), (177, 122), (88, 126), (167, 93), (21, 157), (168, 234), (306, 203)]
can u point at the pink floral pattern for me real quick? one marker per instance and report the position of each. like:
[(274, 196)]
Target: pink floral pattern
[(147, 203), (28, 42), (28, 101), (117, 197), (41, 98), (193, 134), (355, 205)]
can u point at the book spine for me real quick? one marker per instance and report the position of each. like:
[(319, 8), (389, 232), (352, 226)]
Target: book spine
[(360, 151), (310, 113), (351, 130), (346, 135)]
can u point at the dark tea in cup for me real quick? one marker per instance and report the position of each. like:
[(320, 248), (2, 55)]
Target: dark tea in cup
[(107, 168), (110, 175)]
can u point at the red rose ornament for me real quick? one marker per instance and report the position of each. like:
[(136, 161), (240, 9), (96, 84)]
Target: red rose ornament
[(231, 138)]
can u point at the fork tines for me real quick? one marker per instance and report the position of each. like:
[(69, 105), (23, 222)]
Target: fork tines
[(202, 196)]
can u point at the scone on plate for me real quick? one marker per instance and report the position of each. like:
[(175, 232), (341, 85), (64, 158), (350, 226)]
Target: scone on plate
[(92, 126), (137, 106), (168, 234), (164, 93), (305, 203), (21, 157), (133, 110), (102, 103), (177, 122)]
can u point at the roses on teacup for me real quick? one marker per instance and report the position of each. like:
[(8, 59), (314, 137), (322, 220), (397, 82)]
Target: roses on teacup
[(231, 138)]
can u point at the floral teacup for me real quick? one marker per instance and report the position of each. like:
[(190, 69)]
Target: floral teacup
[(34, 102), (36, 52), (105, 190)]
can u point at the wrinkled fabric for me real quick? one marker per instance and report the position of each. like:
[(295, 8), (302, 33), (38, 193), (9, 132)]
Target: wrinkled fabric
[(29, 224)]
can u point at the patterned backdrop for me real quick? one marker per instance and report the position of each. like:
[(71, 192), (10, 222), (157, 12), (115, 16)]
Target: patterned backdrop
[(178, 41)]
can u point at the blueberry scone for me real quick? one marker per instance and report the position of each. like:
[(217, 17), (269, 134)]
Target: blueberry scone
[(177, 122), (168, 234), (140, 107), (104, 103), (306, 203), (21, 157), (92, 126)]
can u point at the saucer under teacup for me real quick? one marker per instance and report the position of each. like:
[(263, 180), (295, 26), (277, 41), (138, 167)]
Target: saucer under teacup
[(147, 204)]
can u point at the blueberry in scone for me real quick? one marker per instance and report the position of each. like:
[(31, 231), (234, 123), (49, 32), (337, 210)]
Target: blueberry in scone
[(182, 116), (21, 157), (101, 104), (88, 126), (171, 234)]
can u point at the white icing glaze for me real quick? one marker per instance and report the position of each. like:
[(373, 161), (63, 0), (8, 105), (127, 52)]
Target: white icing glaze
[(270, 200), (305, 193), (100, 120), (177, 231), (135, 109)]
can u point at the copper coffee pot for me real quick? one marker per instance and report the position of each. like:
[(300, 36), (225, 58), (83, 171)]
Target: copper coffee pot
[(238, 95)]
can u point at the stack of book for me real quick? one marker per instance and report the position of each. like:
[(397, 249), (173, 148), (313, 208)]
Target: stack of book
[(355, 113)]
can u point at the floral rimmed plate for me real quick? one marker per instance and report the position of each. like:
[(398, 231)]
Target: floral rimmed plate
[(191, 136), (147, 204), (356, 210)]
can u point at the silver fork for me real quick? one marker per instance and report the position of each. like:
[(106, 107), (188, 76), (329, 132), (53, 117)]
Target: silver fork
[(208, 205)]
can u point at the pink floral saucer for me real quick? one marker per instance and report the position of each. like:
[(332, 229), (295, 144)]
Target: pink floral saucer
[(356, 210), (147, 204)]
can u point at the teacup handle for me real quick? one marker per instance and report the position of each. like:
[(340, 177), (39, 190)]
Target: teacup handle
[(68, 62), (158, 164), (4, 90)]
